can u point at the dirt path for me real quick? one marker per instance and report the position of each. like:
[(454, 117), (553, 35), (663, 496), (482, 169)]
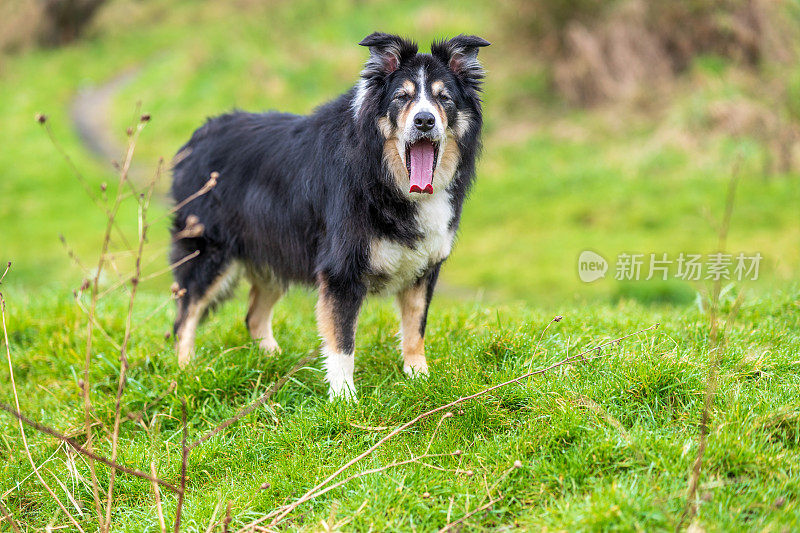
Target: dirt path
[(91, 118)]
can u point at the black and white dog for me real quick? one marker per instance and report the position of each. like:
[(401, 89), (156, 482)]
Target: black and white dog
[(362, 196)]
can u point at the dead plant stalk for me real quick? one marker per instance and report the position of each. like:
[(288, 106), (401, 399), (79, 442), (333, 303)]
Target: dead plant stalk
[(83, 451), (283, 511), (715, 349), (16, 402), (123, 355), (110, 218)]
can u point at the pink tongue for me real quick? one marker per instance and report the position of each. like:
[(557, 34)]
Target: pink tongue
[(422, 167)]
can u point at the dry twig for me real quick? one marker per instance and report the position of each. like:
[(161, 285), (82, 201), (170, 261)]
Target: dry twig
[(557, 318), (16, 402), (417, 460), (205, 189), (111, 215), (690, 509), (123, 354), (285, 510), (227, 522), (81, 178), (449, 526), (184, 465), (250, 408), (83, 451), (157, 495), (9, 518)]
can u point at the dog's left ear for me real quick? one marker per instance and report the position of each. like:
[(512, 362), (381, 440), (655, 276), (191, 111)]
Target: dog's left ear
[(460, 54), (386, 53)]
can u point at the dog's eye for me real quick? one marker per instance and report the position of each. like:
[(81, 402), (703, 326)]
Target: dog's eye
[(444, 98), (401, 97)]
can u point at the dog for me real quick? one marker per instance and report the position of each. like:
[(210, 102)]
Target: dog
[(363, 196)]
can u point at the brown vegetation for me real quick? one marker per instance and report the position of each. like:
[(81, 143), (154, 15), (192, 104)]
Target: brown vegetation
[(49, 23), (601, 51)]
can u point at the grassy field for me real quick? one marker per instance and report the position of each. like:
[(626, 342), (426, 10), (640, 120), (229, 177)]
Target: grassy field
[(602, 445), (605, 444), (553, 181)]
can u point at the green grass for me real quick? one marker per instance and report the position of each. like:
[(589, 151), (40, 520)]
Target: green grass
[(577, 467), (603, 446), (552, 181)]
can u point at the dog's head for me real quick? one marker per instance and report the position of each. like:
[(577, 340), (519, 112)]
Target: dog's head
[(424, 105)]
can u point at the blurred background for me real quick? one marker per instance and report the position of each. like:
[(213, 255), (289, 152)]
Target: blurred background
[(611, 126)]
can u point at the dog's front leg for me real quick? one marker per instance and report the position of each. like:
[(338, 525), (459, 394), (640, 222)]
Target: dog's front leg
[(337, 313), (414, 302)]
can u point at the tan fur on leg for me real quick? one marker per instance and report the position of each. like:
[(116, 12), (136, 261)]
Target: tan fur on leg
[(188, 329), (412, 308), (263, 297), (186, 334), (325, 319)]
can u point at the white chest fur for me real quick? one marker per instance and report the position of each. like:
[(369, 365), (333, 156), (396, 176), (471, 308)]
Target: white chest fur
[(401, 265)]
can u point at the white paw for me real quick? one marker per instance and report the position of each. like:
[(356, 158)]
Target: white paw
[(347, 392), (185, 355), (339, 375), (269, 346), (416, 369)]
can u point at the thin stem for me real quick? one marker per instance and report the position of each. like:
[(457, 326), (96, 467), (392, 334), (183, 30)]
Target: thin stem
[(289, 508), (123, 354), (21, 427)]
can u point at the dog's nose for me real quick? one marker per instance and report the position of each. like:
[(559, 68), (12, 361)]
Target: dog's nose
[(424, 121)]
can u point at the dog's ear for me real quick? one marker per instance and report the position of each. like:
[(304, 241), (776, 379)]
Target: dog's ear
[(460, 54), (386, 53)]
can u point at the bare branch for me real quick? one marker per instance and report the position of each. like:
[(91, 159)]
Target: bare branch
[(110, 223), (568, 360), (172, 266), (9, 518), (416, 460), (184, 465), (205, 189), (157, 494), (16, 402), (227, 522), (123, 353), (8, 266), (715, 350), (82, 179), (449, 526), (250, 408), (557, 318), (78, 448)]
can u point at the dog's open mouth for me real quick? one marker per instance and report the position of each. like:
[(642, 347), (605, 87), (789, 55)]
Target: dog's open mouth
[(421, 158)]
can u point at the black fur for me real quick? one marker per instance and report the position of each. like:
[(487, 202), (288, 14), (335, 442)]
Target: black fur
[(430, 284), (302, 197)]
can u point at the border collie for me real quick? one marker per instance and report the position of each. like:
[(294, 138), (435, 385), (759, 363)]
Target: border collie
[(363, 196)]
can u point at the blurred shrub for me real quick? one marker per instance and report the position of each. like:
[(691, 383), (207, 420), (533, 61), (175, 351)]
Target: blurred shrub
[(19, 21), (24, 23), (611, 50), (63, 21)]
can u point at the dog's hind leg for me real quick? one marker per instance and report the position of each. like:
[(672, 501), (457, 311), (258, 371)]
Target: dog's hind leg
[(337, 312), (207, 279), (264, 294), (414, 302)]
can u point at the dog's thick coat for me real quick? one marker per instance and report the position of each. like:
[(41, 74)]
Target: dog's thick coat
[(324, 199)]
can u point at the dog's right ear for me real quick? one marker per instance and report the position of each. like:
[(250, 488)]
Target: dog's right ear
[(460, 54), (386, 53)]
